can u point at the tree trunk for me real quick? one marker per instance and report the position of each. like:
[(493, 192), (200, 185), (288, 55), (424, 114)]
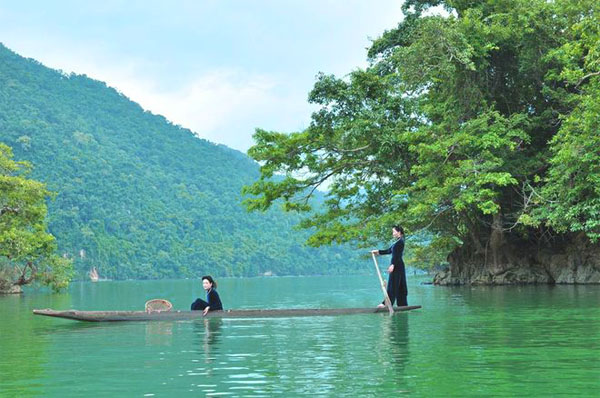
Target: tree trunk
[(474, 234), (23, 278), (496, 239)]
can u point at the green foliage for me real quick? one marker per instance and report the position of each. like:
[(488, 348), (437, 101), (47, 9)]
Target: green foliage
[(27, 250), (138, 197), (571, 194), (478, 127)]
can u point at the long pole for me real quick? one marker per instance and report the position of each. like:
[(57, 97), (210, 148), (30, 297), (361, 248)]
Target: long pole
[(386, 298)]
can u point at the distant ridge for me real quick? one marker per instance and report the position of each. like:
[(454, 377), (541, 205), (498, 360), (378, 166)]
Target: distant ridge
[(139, 197)]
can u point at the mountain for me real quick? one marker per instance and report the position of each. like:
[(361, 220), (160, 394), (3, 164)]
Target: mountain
[(136, 195)]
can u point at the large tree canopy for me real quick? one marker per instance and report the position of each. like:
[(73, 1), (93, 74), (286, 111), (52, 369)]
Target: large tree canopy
[(479, 126), (27, 250)]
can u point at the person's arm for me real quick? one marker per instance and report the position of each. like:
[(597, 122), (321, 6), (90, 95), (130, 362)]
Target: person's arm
[(385, 251), (381, 251)]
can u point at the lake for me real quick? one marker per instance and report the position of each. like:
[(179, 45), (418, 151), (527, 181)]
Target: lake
[(465, 341)]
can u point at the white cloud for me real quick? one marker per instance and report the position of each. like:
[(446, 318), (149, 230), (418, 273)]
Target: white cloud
[(220, 75), (222, 105)]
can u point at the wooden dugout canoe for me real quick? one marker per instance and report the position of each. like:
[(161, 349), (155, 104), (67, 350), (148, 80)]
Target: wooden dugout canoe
[(124, 316)]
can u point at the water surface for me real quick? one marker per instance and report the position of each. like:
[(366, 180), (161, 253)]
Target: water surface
[(480, 341)]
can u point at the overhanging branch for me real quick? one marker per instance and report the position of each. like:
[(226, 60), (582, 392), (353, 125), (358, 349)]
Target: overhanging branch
[(23, 278), (586, 77)]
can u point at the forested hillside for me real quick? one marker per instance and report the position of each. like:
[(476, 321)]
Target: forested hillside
[(138, 197)]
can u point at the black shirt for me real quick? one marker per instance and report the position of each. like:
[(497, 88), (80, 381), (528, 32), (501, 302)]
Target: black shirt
[(396, 251), (214, 301)]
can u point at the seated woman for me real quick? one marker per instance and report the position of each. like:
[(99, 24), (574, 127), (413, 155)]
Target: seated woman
[(214, 302)]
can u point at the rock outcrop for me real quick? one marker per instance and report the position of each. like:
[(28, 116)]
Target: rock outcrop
[(14, 289), (575, 261)]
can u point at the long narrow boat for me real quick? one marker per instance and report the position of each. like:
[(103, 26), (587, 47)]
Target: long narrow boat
[(122, 316)]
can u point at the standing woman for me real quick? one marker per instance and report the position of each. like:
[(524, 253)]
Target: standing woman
[(396, 287), (213, 302)]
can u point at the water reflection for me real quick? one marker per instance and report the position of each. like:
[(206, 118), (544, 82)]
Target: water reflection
[(20, 339), (209, 331), (159, 333), (395, 334), (395, 329)]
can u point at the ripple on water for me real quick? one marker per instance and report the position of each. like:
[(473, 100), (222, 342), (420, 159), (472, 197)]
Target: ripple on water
[(464, 342)]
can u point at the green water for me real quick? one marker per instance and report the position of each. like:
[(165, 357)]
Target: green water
[(481, 341)]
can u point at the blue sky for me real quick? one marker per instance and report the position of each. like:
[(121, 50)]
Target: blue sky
[(220, 68)]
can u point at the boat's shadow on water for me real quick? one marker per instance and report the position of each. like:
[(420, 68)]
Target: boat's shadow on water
[(152, 327), (70, 327)]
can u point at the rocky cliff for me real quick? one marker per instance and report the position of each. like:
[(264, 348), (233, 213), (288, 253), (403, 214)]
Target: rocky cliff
[(571, 260)]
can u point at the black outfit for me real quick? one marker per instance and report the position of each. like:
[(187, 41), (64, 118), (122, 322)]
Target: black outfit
[(396, 287), (214, 302)]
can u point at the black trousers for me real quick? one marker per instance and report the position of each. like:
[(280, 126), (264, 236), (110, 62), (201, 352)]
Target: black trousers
[(396, 287), (199, 305)]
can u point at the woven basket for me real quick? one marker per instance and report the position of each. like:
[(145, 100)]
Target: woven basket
[(158, 305)]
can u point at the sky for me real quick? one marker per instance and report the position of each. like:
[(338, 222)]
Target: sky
[(220, 68)]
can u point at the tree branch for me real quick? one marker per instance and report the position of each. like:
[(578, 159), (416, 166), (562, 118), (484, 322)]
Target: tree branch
[(23, 280), (434, 218), (14, 210), (587, 77), (352, 150), (316, 183)]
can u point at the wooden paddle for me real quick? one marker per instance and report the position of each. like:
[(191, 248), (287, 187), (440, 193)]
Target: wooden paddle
[(386, 298)]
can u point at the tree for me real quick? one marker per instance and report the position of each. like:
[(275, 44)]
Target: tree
[(572, 184), (468, 125), (27, 250)]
